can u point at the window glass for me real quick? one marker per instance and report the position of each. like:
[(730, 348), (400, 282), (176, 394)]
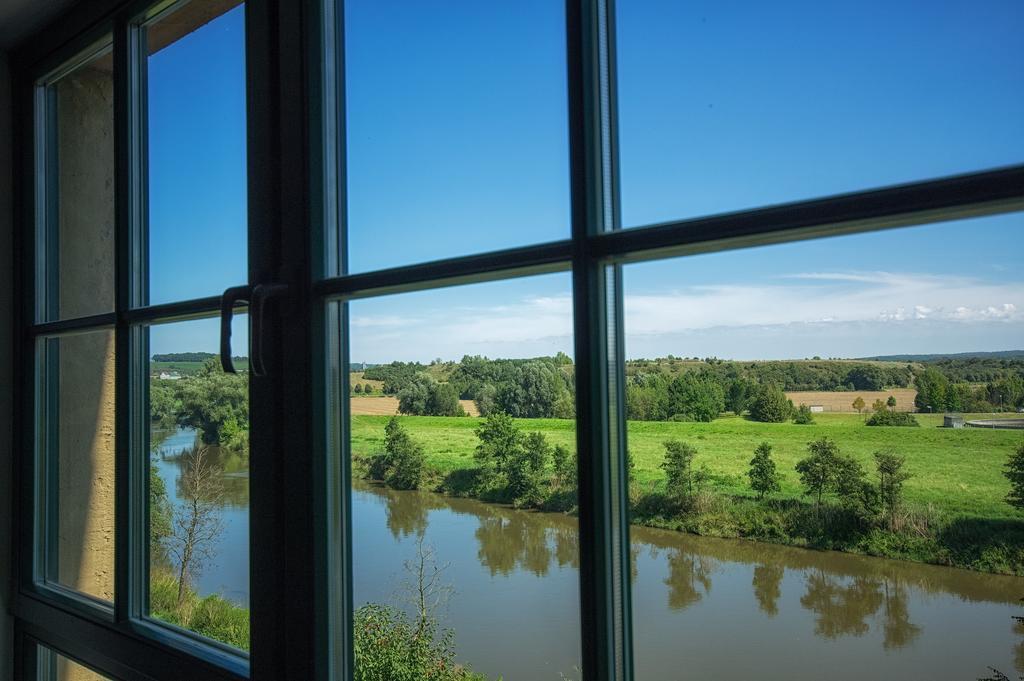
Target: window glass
[(75, 206), (196, 157), (860, 396), (76, 448), (464, 482), (198, 428), (726, 106), (456, 129), (53, 666)]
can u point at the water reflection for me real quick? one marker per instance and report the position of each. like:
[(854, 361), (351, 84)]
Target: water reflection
[(693, 595), (767, 585)]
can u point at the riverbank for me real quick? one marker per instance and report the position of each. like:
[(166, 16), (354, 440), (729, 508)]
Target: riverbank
[(954, 514)]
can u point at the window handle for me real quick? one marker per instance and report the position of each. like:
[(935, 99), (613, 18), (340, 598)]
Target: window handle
[(230, 298), (258, 310)]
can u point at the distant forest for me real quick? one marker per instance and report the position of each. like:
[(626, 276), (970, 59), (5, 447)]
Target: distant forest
[(191, 357), (693, 388)]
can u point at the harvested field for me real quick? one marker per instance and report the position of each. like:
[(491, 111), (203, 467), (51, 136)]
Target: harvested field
[(842, 402), (388, 406)]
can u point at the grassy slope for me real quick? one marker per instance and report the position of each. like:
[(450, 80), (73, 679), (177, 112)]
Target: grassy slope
[(959, 471)]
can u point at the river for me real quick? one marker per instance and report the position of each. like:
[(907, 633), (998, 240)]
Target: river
[(716, 608)]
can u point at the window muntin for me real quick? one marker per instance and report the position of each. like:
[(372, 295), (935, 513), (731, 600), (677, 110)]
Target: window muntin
[(456, 133), (725, 107), (484, 351), (75, 424), (193, 60), (797, 316), (75, 190)]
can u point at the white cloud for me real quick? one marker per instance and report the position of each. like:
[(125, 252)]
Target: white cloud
[(769, 317)]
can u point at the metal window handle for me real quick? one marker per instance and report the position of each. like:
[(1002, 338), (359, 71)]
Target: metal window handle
[(257, 297), (258, 308), (230, 298)]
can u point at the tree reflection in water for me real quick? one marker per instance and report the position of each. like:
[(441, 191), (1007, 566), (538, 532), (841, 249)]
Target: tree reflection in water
[(767, 584), (689, 578)]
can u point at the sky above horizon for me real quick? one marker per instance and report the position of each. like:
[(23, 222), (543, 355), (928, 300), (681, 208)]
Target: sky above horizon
[(457, 144)]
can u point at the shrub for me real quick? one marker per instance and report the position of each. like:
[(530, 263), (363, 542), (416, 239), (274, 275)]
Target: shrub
[(390, 647), (770, 405), (884, 417), (803, 415), (358, 388), (764, 479)]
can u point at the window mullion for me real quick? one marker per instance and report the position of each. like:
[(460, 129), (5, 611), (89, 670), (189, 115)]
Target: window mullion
[(604, 531)]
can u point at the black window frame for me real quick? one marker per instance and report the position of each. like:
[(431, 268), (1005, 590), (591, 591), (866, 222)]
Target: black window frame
[(299, 504)]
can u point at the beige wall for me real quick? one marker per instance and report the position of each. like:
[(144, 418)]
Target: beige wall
[(86, 365)]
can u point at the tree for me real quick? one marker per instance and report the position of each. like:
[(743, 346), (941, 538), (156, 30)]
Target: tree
[(499, 441), (164, 404), (1014, 472), (764, 479), (405, 458), (564, 464), (891, 403), (859, 405), (681, 478), (524, 468), (196, 523), (803, 415), (215, 403), (738, 395), (695, 398), (358, 388), (770, 405), (931, 387), (817, 470), (891, 477)]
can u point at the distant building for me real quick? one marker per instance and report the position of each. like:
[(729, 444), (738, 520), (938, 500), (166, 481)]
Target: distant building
[(169, 376), (953, 421)]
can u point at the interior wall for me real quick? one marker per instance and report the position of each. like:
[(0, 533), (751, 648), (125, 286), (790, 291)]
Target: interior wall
[(6, 365)]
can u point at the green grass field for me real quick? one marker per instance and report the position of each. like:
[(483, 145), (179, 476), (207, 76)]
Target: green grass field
[(958, 471)]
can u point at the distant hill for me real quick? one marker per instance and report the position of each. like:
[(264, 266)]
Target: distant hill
[(999, 354)]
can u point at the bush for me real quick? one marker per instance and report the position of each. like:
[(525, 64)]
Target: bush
[(390, 647), (770, 405), (803, 416), (1014, 472), (884, 417), (565, 466)]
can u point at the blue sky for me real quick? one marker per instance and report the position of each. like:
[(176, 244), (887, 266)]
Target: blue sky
[(457, 144)]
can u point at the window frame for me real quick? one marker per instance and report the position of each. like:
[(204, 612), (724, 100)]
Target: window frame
[(299, 504)]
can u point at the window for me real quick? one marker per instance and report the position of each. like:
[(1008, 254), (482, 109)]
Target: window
[(453, 416)]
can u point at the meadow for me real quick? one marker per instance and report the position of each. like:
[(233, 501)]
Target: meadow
[(958, 472)]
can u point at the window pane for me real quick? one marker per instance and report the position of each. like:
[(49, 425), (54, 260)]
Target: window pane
[(196, 127), (462, 504), (457, 140), (726, 106), (53, 666), (76, 198), (199, 481), (798, 397), (76, 431)]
